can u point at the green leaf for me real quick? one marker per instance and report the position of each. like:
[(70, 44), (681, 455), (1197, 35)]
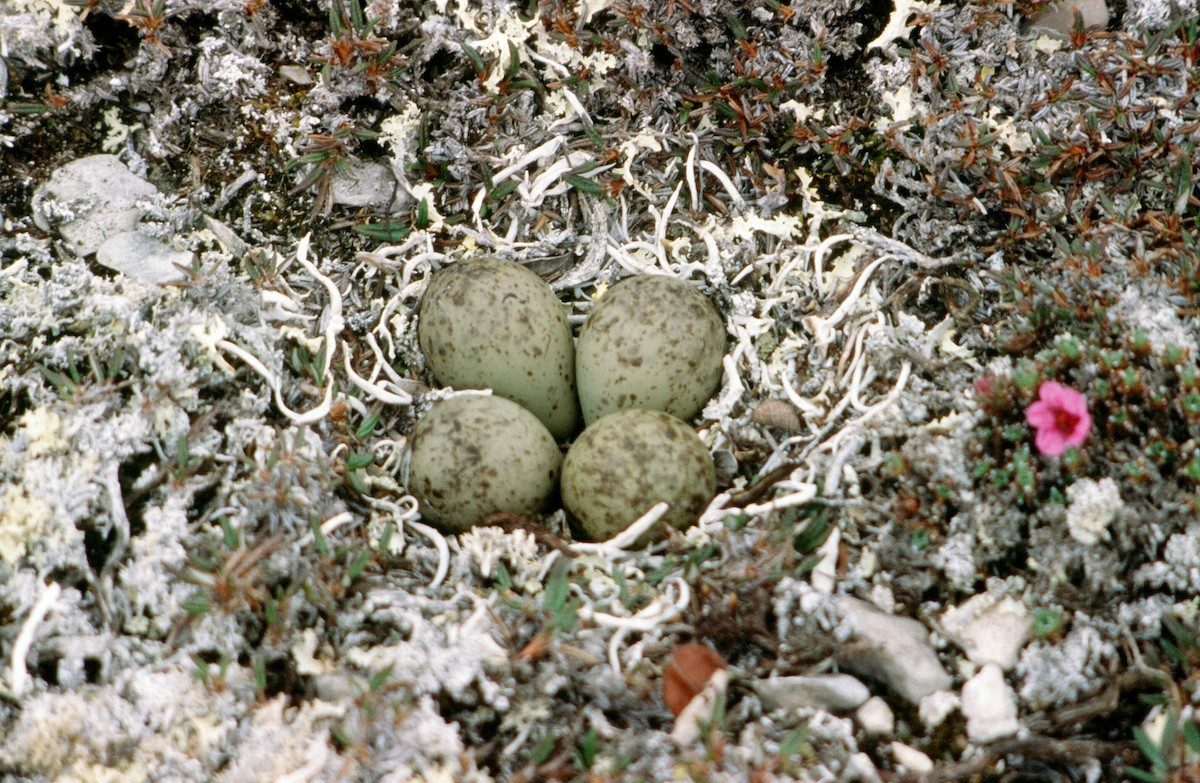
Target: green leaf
[(1183, 180), (542, 750), (584, 185), (503, 189), (368, 426), (503, 578), (386, 231), (736, 27), (808, 564), (232, 536), (197, 604), (1141, 774), (815, 532), (260, 675), (359, 460), (358, 565), (793, 743), (1148, 748), (1191, 736), (379, 678), (556, 599), (319, 540), (514, 61), (25, 109), (585, 752), (475, 57), (61, 382)]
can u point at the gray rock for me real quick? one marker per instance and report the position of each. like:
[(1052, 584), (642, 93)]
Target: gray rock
[(823, 691), (893, 650), (365, 184), (90, 200), (142, 258)]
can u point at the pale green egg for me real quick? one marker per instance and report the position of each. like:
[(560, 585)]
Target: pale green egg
[(650, 342), (626, 462), (474, 455), (485, 323)]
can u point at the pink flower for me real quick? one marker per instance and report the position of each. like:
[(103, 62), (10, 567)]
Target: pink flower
[(1060, 417)]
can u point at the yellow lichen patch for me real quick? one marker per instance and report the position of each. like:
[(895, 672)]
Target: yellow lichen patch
[(45, 432), (22, 518)]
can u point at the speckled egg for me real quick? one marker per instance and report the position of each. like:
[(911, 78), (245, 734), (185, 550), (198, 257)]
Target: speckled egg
[(650, 342), (474, 455), (629, 460), (485, 323)]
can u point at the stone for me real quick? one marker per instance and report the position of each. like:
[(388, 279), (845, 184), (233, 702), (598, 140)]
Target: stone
[(989, 629), (363, 183), (893, 650), (835, 692), (989, 705), (936, 707), (297, 74), (860, 767), (89, 201), (912, 760), (142, 258), (876, 717)]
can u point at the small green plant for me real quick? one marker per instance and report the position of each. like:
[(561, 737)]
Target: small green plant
[(354, 48), (204, 673), (1174, 757), (1046, 623), (818, 524), (325, 155), (560, 606), (586, 749), (149, 17)]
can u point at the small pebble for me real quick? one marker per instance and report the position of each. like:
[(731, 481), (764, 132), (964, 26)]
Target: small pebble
[(876, 717), (101, 194), (990, 706), (911, 759), (894, 650), (837, 692)]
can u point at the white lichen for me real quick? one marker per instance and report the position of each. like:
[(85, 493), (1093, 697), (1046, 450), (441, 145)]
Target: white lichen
[(1091, 508)]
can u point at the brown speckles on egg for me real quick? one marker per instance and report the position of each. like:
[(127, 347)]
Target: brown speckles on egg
[(488, 323), (626, 462), (475, 455), (650, 342)]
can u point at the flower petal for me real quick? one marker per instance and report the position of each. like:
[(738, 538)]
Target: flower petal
[(1050, 442), (1048, 390), (1081, 429), (1039, 415), (1076, 403)]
